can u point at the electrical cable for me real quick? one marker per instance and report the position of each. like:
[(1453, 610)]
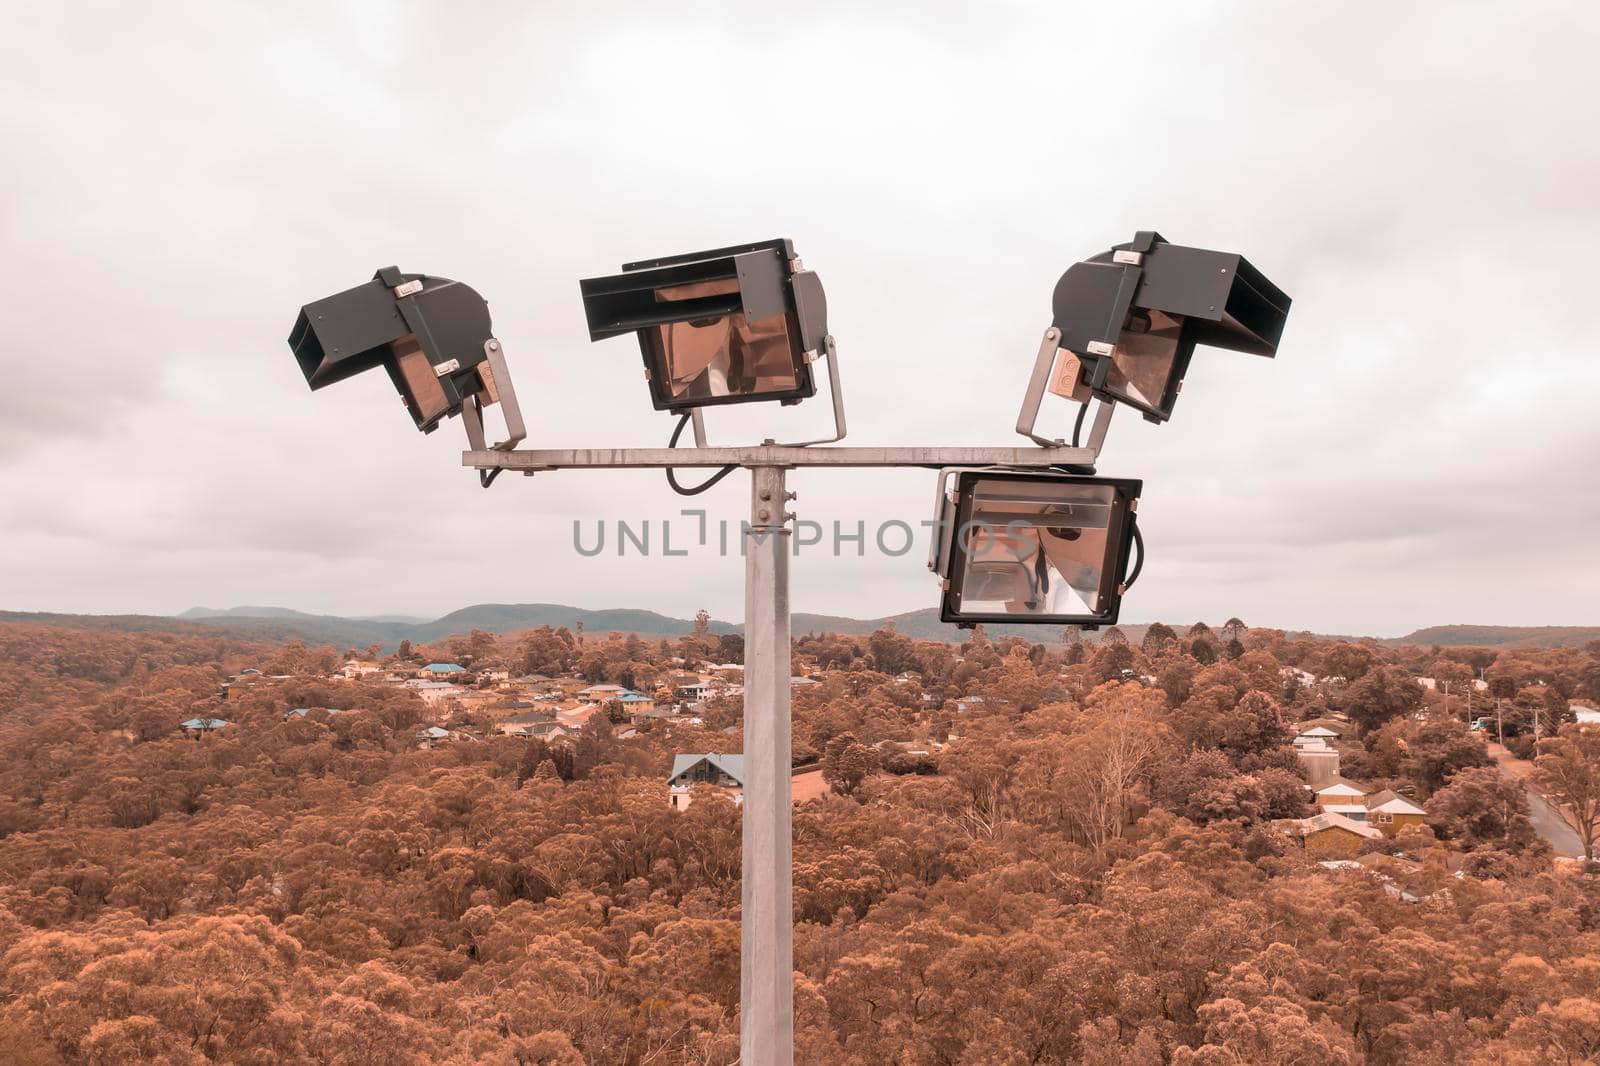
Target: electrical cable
[(1138, 541), (693, 490), (486, 477), (1077, 427)]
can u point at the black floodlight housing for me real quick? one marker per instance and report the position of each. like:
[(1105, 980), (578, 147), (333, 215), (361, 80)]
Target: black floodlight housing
[(1044, 548), (1127, 322), (730, 325), (432, 335)]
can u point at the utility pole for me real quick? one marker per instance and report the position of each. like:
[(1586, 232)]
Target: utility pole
[(1499, 726), (766, 925)]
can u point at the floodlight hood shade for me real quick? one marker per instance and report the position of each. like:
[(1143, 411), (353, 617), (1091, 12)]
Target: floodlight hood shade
[(1227, 302), (346, 334), (1132, 317), (430, 340), (1037, 548), (730, 325)]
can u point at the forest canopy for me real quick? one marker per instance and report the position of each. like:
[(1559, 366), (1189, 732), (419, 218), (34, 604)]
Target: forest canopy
[(1026, 853)]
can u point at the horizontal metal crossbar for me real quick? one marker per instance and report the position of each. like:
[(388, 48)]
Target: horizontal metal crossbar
[(535, 459)]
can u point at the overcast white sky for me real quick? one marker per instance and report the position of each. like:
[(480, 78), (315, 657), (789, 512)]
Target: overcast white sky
[(176, 180)]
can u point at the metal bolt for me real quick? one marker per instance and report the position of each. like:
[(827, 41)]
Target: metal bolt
[(791, 495), (494, 346), (764, 514)]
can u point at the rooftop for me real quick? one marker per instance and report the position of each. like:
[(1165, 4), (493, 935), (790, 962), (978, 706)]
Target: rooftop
[(731, 764)]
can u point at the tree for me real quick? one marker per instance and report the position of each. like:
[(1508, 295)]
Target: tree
[(1112, 661), (1380, 696), (846, 762), (891, 652), (1157, 639), (1567, 772), (1107, 765), (1482, 808)]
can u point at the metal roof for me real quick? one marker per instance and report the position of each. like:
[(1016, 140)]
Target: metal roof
[(731, 764)]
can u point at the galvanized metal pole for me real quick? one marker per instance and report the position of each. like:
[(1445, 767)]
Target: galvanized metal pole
[(766, 927)]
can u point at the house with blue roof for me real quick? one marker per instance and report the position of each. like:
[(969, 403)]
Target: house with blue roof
[(441, 670), (635, 702)]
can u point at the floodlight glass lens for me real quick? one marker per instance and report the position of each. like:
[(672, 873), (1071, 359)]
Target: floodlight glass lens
[(1035, 548), (1143, 360), (726, 355)]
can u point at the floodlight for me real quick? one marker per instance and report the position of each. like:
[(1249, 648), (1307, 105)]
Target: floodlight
[(731, 325), (1126, 323), (1045, 548), (432, 335)]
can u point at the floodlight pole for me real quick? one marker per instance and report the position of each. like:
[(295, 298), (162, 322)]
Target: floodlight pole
[(766, 923)]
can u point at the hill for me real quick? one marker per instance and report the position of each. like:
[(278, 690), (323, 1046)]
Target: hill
[(1504, 636), (282, 623)]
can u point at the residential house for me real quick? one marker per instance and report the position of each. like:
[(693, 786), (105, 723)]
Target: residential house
[(635, 702), (438, 670), (1317, 738), (1330, 729), (195, 726), (303, 712), (1321, 765), (1344, 798), (361, 668), (689, 687), (1390, 812), (1329, 833), (724, 773), (539, 724), (1302, 678), (636, 718), (601, 693), (575, 718), (434, 693), (431, 736)]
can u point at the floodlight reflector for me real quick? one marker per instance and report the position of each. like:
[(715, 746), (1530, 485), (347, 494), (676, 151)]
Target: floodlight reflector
[(1036, 547), (730, 325)]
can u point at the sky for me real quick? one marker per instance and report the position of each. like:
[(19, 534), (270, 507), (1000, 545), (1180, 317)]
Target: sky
[(177, 180)]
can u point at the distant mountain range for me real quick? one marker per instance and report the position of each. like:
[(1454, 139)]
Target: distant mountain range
[(1506, 636), (281, 623), (511, 617)]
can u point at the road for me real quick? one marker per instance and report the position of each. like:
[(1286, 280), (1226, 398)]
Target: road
[(1546, 822)]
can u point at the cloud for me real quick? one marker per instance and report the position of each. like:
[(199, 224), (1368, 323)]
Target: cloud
[(1419, 452)]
